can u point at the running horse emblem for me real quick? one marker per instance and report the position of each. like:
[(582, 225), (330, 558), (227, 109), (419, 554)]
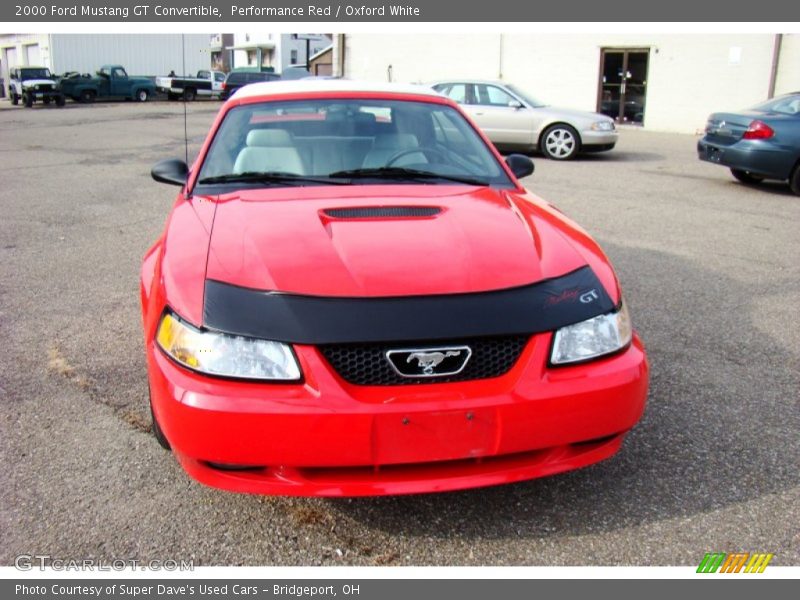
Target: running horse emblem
[(428, 361)]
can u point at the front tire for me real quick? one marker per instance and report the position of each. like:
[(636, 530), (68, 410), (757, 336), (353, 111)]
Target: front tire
[(142, 95), (14, 99), (27, 100), (746, 176), (560, 142), (61, 101), (157, 431), (794, 180)]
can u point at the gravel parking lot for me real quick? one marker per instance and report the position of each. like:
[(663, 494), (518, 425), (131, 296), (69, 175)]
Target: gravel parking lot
[(712, 276)]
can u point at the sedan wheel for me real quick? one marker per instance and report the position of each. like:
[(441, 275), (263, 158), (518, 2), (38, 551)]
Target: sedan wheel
[(560, 142), (794, 180)]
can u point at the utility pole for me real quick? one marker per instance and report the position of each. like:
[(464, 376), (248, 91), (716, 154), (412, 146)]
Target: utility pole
[(307, 39)]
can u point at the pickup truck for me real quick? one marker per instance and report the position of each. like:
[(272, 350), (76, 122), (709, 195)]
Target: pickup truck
[(111, 82), (207, 83)]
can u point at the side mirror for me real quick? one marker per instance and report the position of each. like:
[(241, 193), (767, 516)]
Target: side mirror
[(172, 171), (520, 165), (515, 104)]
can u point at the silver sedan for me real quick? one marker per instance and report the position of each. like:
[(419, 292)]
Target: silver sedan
[(515, 121)]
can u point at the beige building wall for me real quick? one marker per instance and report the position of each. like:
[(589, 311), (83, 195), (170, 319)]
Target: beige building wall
[(689, 75)]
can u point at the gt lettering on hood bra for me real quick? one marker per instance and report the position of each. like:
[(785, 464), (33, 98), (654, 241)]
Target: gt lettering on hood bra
[(300, 319)]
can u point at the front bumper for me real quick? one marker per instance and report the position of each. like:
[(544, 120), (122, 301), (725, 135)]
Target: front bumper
[(758, 157), (598, 141), (40, 96), (327, 437)]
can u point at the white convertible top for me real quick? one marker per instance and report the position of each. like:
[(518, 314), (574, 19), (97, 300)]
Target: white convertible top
[(275, 88)]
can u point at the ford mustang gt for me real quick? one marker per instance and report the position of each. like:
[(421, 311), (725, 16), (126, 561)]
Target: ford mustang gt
[(354, 295)]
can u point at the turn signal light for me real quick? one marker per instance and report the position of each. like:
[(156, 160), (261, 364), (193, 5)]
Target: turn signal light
[(758, 130)]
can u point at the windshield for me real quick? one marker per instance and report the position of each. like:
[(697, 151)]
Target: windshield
[(785, 105), (36, 74), (533, 102), (348, 141)]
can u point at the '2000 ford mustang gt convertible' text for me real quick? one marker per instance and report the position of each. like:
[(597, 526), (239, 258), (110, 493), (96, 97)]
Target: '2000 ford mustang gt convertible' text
[(353, 295)]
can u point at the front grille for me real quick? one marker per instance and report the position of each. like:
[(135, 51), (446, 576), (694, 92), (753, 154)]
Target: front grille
[(366, 364)]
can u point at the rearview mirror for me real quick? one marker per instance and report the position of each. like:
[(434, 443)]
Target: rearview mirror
[(172, 171), (520, 165)]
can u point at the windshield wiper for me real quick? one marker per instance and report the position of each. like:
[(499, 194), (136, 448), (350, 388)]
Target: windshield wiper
[(270, 177), (399, 173)]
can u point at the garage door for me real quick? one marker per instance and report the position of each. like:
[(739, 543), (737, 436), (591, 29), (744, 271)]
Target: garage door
[(9, 62), (33, 55)]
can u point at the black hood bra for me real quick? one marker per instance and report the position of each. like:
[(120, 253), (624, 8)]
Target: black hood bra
[(299, 319)]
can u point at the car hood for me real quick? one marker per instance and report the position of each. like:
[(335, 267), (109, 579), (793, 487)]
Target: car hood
[(293, 240), (32, 82), (580, 117)]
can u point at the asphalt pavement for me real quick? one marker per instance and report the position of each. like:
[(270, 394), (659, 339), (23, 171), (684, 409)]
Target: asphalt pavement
[(710, 270)]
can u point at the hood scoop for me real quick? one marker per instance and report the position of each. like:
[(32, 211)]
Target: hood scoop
[(382, 212)]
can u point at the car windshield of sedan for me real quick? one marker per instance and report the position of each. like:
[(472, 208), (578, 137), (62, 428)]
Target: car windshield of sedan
[(348, 142), (784, 105)]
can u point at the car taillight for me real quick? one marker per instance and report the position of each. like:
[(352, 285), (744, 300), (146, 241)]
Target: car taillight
[(758, 130), (224, 85)]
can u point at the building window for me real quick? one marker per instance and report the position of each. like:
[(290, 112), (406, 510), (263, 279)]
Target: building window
[(294, 57)]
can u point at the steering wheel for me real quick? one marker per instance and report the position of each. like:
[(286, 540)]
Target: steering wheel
[(428, 151)]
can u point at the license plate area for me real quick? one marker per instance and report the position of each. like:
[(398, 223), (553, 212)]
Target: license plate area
[(434, 436)]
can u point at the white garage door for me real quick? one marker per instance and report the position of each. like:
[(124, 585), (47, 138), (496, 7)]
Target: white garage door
[(33, 55), (9, 62)]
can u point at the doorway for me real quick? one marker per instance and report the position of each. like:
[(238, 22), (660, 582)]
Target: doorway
[(622, 89)]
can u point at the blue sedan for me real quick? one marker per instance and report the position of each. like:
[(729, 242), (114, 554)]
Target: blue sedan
[(760, 143)]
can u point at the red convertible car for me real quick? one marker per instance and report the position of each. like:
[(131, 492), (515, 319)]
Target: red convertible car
[(354, 295)]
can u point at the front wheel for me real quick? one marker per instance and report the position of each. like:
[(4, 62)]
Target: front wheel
[(157, 432), (60, 100), (794, 180), (142, 95), (14, 99), (746, 176), (27, 100), (560, 142)]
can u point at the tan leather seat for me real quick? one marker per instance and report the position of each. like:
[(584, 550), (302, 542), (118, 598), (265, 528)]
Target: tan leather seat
[(269, 150)]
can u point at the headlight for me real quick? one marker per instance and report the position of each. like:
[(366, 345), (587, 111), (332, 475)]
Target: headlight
[(226, 355), (603, 126), (592, 338)]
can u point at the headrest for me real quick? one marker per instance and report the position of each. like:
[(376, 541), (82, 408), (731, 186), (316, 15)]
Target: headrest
[(269, 137), (364, 117), (395, 141)]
